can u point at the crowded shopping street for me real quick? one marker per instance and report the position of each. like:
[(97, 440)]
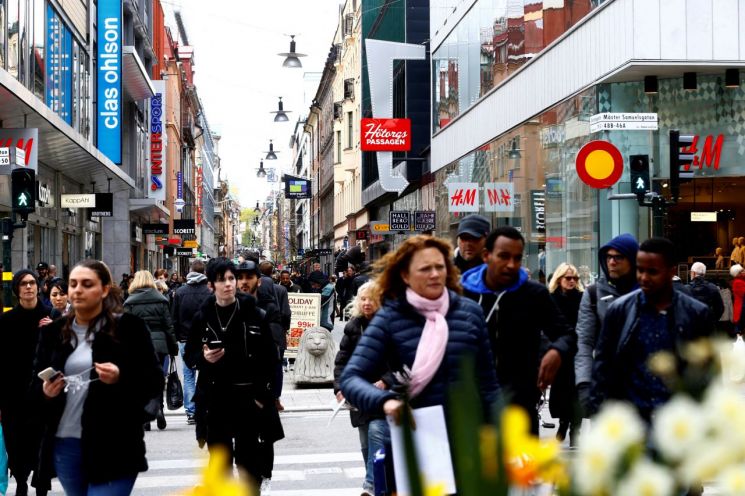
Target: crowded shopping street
[(372, 248)]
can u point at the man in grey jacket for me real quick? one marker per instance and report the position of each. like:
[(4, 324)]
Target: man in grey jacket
[(617, 260)]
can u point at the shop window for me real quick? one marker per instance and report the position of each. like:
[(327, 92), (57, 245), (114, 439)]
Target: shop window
[(39, 43), (3, 33), (13, 37)]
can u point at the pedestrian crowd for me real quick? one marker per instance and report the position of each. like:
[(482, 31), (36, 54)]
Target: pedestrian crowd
[(88, 357)]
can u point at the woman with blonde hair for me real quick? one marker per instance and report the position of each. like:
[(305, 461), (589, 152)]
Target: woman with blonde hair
[(146, 302), (423, 329), (372, 427), (566, 290)]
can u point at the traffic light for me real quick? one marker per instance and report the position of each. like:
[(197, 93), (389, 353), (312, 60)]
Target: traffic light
[(639, 168), (679, 161), (23, 189)]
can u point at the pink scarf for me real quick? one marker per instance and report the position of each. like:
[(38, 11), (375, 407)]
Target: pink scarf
[(431, 347)]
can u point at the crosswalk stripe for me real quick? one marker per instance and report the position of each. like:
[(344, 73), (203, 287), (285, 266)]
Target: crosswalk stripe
[(354, 456)]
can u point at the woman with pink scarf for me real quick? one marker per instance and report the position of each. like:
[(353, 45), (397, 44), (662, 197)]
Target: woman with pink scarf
[(423, 329)]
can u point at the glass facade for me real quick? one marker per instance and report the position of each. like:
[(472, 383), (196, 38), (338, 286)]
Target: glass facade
[(529, 175), (493, 40)]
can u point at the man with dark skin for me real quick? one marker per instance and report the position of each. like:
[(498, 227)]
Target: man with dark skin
[(649, 320), (517, 311), (286, 281)]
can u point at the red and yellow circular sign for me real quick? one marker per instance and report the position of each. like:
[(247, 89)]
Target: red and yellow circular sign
[(599, 164)]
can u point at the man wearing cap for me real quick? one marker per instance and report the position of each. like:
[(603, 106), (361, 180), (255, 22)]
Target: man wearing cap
[(706, 292), (249, 281), (19, 335), (617, 260), (472, 232)]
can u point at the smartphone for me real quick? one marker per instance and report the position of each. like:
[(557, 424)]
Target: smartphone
[(49, 374), (214, 345)]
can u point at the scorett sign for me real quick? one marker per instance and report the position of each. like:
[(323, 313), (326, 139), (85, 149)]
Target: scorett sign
[(184, 226)]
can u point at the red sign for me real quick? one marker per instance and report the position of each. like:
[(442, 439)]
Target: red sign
[(385, 135), (710, 154), (199, 188), (599, 164)]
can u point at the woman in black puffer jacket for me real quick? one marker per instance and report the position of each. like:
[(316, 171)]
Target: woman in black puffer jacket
[(146, 302), (372, 427)]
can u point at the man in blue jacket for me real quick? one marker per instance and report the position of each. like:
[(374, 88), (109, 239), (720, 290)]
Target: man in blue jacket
[(517, 310), (649, 320)]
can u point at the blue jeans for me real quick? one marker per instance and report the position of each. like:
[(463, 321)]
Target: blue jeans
[(373, 436), (190, 381), (68, 463)]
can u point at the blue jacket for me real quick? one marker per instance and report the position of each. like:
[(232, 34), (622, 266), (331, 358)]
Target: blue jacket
[(391, 340)]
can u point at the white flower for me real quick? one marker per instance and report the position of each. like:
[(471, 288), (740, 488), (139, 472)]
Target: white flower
[(724, 407), (731, 482), (595, 465), (619, 425), (646, 479), (678, 426), (705, 462)]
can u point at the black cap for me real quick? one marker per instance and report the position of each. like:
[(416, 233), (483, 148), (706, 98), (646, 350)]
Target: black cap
[(42, 265), (474, 225), (249, 266)]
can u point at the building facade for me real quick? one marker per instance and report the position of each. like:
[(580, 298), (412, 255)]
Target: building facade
[(519, 88)]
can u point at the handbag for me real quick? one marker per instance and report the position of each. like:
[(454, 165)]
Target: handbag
[(174, 391), (3, 464)]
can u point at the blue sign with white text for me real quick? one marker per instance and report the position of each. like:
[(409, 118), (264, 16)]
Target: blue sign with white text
[(109, 79)]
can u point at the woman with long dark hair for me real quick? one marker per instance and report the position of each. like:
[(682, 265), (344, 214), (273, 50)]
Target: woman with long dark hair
[(104, 372), (58, 297)]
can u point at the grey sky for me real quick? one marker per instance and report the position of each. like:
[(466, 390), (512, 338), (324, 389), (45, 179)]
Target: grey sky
[(239, 76)]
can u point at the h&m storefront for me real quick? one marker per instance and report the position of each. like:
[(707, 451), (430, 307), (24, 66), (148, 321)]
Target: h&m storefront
[(527, 176)]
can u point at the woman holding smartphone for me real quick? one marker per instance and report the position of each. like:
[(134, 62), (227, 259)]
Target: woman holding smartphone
[(231, 345), (107, 372)]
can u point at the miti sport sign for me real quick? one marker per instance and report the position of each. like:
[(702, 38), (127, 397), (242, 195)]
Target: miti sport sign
[(109, 77)]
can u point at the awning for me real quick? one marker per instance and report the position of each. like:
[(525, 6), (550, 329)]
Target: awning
[(148, 207), (136, 80), (60, 146)]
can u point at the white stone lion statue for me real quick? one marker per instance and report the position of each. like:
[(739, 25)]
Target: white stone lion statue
[(315, 357)]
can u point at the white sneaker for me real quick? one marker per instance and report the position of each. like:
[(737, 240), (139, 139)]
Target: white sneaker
[(266, 486)]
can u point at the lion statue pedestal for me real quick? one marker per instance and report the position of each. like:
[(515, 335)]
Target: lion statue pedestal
[(315, 357)]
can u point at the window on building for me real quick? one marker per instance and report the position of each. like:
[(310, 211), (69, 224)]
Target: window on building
[(13, 38), (3, 33), (350, 129), (39, 43), (338, 147)]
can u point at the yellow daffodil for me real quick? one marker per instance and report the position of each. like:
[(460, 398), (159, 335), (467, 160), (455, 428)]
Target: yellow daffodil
[(217, 480), (435, 490), (528, 459)]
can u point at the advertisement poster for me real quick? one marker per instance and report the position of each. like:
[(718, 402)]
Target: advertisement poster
[(306, 313)]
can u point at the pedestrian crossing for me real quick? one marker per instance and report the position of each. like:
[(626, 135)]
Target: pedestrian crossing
[(318, 474)]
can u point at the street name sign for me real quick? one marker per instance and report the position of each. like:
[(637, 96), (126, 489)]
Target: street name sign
[(624, 121)]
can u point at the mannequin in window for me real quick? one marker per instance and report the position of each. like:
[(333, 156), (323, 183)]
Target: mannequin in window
[(734, 257), (720, 259)]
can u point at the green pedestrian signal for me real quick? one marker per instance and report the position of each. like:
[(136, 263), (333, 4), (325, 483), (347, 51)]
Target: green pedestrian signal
[(23, 190)]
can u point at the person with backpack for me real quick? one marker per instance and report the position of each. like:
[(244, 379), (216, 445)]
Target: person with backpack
[(617, 260)]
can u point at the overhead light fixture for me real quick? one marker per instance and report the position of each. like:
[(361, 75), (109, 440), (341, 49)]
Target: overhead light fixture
[(260, 173), (732, 78), (292, 58), (514, 151), (281, 112), (651, 85), (257, 209), (270, 155), (689, 81)]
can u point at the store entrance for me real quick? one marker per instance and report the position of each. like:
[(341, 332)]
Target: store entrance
[(705, 219)]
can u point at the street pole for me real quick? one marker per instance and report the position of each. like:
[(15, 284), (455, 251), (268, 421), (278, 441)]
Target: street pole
[(7, 267)]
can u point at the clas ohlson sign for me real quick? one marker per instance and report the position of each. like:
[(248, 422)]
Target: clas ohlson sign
[(109, 70)]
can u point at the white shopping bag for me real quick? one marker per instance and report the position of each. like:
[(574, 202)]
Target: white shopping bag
[(432, 449), (733, 362)]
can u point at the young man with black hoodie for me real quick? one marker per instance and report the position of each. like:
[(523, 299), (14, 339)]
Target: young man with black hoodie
[(19, 334), (187, 300), (617, 260), (517, 310)]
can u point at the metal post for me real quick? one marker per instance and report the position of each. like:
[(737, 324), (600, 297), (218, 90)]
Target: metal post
[(7, 233)]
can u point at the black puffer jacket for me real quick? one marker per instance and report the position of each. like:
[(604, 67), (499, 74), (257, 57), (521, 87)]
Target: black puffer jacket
[(187, 301), (391, 340), (152, 307), (708, 294), (352, 334)]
